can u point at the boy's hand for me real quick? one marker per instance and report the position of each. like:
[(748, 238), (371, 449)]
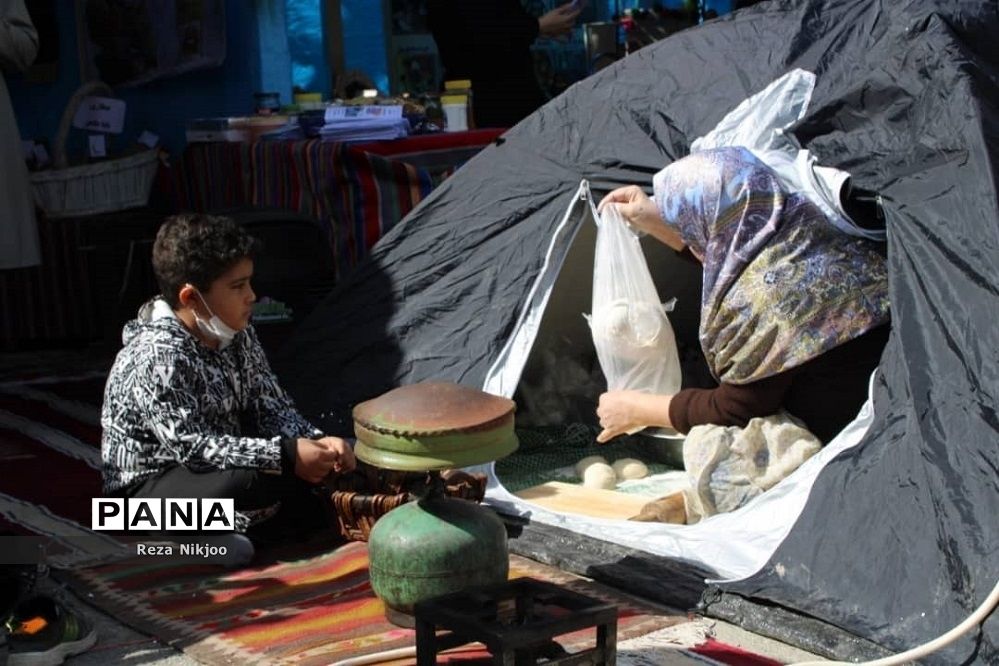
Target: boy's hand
[(345, 454), (314, 460)]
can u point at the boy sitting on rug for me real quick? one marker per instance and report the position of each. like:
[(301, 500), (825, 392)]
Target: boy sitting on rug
[(191, 406)]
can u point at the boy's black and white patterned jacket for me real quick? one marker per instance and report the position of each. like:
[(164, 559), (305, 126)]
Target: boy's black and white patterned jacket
[(171, 400)]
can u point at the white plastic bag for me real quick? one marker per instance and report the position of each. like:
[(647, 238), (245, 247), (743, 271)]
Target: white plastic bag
[(631, 332), (761, 123)]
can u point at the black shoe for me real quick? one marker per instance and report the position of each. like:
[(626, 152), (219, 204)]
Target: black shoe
[(43, 632)]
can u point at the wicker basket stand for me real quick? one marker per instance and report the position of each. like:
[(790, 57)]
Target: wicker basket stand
[(87, 189), (359, 499)]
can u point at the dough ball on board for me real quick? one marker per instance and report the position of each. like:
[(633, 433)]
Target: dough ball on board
[(599, 475), (586, 462), (630, 468)]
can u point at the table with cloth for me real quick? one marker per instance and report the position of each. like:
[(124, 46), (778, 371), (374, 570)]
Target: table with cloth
[(358, 191), (87, 280)]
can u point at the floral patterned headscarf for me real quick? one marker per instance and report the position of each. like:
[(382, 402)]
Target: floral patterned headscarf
[(781, 284)]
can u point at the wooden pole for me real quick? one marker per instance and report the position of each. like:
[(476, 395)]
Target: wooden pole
[(333, 40)]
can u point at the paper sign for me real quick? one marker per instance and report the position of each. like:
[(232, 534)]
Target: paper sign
[(97, 146), (148, 139), (334, 113), (100, 114)]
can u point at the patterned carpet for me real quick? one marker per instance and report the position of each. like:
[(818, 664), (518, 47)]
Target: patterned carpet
[(304, 608), (299, 604)]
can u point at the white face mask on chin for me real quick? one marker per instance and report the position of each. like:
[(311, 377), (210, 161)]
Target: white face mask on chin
[(214, 328)]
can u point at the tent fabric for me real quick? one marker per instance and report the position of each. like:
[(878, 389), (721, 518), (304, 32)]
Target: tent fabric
[(898, 539)]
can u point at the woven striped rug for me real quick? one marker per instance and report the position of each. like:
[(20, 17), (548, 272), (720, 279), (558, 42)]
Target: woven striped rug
[(314, 609), (300, 604)]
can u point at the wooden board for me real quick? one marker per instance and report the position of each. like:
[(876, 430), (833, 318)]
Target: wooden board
[(571, 498)]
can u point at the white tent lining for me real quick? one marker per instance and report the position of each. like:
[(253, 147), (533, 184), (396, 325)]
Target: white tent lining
[(734, 545)]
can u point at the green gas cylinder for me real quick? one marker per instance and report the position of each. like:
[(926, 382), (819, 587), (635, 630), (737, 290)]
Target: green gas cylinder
[(437, 544), (434, 546)]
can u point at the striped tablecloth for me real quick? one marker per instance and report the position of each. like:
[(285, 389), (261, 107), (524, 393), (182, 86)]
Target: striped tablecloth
[(358, 191)]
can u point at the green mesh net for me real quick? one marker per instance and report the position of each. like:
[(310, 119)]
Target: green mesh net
[(549, 454)]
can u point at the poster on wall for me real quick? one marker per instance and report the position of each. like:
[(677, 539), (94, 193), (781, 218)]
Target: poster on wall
[(412, 53), (409, 17), (416, 66), (130, 42)]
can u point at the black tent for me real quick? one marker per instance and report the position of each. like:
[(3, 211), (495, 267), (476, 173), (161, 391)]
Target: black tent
[(898, 539)]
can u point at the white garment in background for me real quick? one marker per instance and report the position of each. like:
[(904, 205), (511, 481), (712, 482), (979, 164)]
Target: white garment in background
[(18, 229)]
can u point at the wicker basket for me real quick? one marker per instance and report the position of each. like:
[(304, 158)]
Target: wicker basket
[(87, 189), (361, 498)]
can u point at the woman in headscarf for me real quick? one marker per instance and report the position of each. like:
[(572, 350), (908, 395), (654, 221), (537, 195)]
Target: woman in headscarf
[(794, 311)]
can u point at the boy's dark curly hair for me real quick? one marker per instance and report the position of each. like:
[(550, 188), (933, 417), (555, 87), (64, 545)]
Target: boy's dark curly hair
[(197, 249)]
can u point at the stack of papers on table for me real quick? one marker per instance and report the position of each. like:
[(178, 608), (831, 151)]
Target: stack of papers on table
[(364, 123), (248, 128), (291, 131), (215, 129)]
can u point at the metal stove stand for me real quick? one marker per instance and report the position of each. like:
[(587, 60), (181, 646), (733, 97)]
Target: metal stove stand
[(517, 621)]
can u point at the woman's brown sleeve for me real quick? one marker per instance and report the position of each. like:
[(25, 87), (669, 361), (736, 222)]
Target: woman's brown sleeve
[(728, 404)]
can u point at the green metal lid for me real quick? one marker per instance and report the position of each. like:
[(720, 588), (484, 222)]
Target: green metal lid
[(434, 425)]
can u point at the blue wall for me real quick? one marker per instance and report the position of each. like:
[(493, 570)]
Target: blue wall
[(364, 40), (164, 106), (306, 43), (260, 56), (363, 43)]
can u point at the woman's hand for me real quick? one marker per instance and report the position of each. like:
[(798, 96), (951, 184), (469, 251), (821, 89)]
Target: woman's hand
[(642, 214), (627, 412), (635, 206), (559, 21)]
